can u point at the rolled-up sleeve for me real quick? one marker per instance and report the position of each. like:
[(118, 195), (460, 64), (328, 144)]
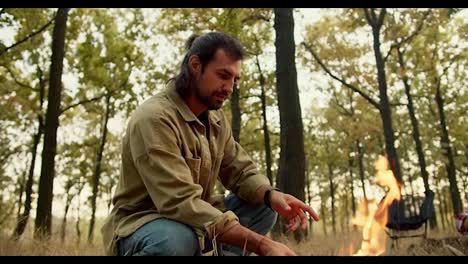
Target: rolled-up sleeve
[(168, 180), (238, 172)]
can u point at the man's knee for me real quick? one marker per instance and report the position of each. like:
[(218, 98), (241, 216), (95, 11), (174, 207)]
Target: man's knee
[(163, 237), (181, 244)]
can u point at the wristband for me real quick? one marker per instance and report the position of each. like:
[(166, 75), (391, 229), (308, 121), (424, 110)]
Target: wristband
[(266, 196)]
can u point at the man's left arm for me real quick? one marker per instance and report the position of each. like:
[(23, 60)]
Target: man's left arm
[(240, 175), (238, 172)]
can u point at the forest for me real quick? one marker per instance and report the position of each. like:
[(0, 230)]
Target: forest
[(324, 95)]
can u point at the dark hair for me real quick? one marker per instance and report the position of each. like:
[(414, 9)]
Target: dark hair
[(205, 47)]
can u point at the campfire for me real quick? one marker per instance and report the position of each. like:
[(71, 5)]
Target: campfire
[(372, 217)]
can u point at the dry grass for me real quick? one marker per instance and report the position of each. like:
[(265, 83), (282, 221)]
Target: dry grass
[(53, 247), (436, 244), (316, 245)]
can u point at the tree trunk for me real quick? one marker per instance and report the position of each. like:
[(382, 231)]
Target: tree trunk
[(290, 176), (447, 151), (323, 217), (353, 198), (414, 124), (236, 114), (351, 185), (77, 223), (97, 169), (67, 207), (292, 155), (266, 133), (415, 134), (384, 105), (43, 221), (23, 220), (344, 217), (21, 183), (77, 226), (332, 196), (360, 157)]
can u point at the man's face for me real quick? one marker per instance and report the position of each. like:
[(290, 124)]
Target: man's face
[(214, 85)]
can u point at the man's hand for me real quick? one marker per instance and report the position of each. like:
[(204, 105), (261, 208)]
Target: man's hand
[(269, 247), (261, 245), (292, 209)]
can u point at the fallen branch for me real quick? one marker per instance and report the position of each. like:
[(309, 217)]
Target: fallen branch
[(455, 251)]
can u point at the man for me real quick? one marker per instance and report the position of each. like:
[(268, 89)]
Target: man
[(176, 145)]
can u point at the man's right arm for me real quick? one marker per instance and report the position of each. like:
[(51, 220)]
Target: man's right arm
[(261, 245)]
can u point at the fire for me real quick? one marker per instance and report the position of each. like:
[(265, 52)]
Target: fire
[(373, 216)]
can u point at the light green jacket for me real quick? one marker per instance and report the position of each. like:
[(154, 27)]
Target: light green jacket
[(169, 169)]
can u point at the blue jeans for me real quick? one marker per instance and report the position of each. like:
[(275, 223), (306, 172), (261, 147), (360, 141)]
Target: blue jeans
[(165, 237)]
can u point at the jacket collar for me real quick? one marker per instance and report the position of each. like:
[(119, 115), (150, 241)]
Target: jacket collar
[(183, 108), (180, 104)]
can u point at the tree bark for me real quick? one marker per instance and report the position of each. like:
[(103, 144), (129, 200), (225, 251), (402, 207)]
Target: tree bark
[(323, 217), (290, 176), (77, 223), (21, 183), (43, 221), (332, 196), (236, 114), (414, 123), (360, 157), (266, 133), (292, 155), (97, 169), (351, 185), (23, 220), (384, 105), (447, 152), (67, 207)]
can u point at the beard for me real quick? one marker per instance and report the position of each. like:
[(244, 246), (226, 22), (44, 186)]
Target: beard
[(209, 100)]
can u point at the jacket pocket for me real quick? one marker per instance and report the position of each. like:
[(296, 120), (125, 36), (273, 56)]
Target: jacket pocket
[(194, 165)]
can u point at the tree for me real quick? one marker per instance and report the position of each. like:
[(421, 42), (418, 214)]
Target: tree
[(44, 205), (26, 90), (443, 72), (291, 169), (375, 21)]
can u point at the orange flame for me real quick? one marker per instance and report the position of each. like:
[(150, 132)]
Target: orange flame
[(373, 217)]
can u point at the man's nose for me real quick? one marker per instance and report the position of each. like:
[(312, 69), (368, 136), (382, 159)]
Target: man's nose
[(228, 87)]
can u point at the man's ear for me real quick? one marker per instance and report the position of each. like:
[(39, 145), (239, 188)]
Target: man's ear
[(194, 64)]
